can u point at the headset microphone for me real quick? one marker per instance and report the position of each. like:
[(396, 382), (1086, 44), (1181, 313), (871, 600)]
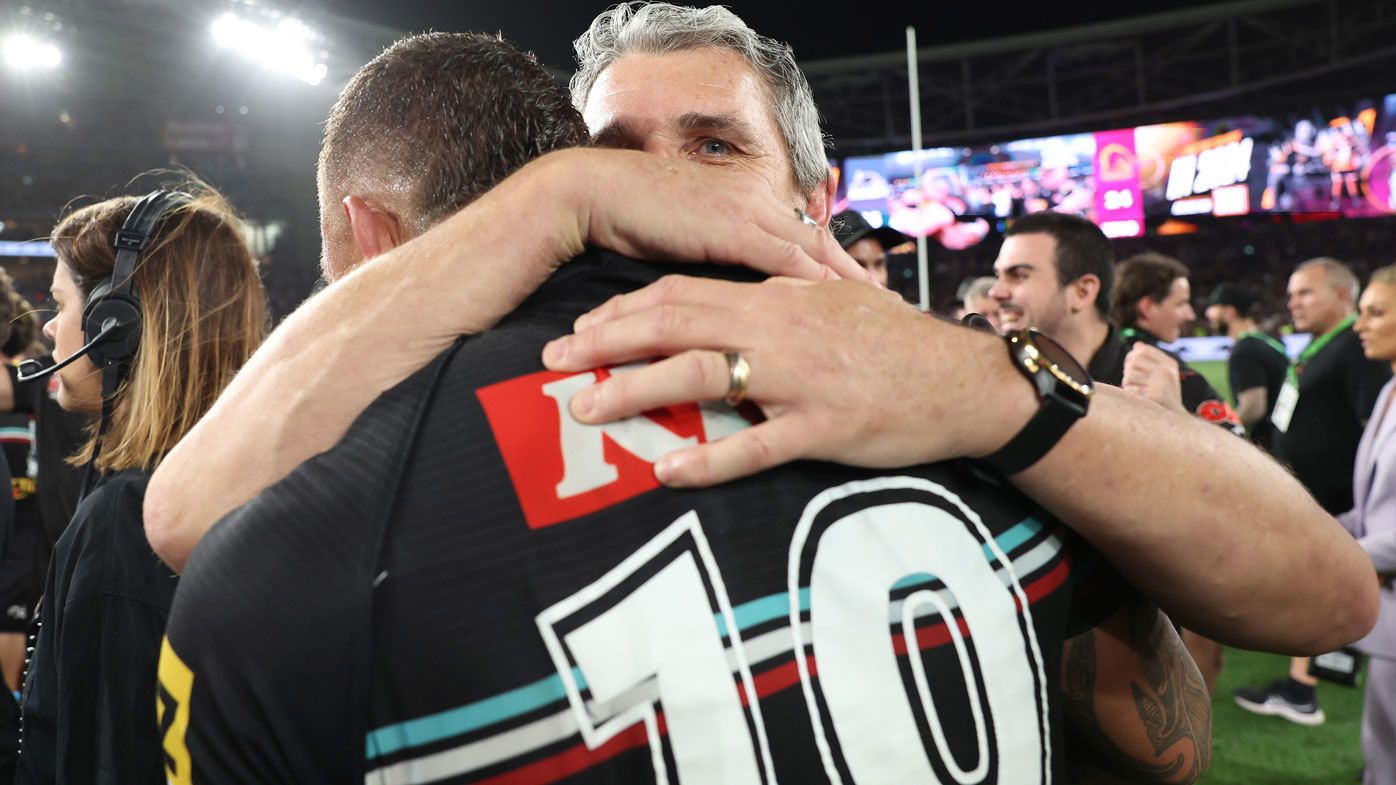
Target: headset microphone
[(111, 320), (32, 370)]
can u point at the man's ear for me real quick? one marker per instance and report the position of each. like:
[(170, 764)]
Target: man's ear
[(1086, 288), (376, 229), (1145, 308), (820, 202)]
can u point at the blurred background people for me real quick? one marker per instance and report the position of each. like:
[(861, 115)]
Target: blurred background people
[(1150, 303), (1053, 274), (1256, 366), (869, 246), (974, 298), (1318, 418)]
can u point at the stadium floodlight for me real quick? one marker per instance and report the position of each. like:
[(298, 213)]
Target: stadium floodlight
[(284, 47), (23, 53)]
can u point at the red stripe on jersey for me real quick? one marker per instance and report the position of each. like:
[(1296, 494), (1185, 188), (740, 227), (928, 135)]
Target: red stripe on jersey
[(781, 677), (574, 759), (938, 634)]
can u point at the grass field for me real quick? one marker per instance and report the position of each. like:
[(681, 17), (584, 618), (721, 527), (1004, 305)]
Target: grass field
[(1252, 750), (1214, 371)]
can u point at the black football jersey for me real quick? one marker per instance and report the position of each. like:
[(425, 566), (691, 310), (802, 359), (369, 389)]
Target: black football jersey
[(473, 587)]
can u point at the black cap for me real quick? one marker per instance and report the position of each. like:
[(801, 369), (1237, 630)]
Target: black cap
[(1232, 294), (850, 226)]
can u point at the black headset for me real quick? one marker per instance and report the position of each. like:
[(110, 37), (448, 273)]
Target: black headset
[(111, 321)]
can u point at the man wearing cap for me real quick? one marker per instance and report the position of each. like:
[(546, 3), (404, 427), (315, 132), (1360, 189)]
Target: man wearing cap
[(1256, 367), (867, 245)]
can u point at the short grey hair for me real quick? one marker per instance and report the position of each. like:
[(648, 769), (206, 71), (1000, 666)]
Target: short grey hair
[(1337, 274), (661, 28), (977, 287)]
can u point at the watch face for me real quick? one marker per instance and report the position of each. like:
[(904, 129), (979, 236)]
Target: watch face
[(1066, 365)]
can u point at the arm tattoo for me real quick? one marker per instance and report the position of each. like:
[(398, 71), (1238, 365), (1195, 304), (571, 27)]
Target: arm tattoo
[(1173, 702), (1172, 708)]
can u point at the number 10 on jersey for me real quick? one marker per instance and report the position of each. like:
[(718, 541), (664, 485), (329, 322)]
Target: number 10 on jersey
[(648, 637)]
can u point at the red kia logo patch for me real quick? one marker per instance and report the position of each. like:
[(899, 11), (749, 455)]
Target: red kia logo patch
[(562, 469)]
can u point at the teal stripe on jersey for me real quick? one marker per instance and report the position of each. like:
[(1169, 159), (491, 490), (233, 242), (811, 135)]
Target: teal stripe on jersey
[(750, 614), (777, 606), (456, 722), (1014, 537), (1007, 542)]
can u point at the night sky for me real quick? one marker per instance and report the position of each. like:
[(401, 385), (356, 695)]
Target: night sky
[(817, 30)]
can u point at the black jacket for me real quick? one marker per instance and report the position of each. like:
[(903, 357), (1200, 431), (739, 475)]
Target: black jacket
[(89, 694)]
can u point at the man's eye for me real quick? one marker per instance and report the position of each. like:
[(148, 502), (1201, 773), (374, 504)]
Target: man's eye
[(716, 147)]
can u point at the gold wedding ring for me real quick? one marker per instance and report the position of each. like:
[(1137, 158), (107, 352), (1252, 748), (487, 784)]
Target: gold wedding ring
[(738, 378)]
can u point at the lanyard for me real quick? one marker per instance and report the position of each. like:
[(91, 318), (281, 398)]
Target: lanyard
[(1315, 346), (1129, 333), (1267, 338)]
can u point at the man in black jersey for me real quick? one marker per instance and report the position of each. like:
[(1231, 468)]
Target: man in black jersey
[(1318, 416), (474, 586), (1258, 360), (1150, 303)]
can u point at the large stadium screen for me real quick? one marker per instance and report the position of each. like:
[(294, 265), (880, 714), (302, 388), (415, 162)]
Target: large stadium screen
[(1338, 162), (1190, 169), (962, 190), (1335, 162)]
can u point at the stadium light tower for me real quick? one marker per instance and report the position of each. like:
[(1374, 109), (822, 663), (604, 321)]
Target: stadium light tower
[(23, 52), (282, 45)]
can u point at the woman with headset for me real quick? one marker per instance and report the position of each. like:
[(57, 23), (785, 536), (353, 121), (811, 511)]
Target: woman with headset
[(159, 304)]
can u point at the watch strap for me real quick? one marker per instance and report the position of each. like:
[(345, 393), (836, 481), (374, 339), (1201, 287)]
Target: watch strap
[(1048, 425)]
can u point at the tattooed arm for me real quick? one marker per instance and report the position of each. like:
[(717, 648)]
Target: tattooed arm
[(1135, 706)]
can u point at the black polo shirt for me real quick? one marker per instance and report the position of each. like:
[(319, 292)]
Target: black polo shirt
[(1199, 397), (1255, 363), (1337, 389), (1107, 365), (474, 587)]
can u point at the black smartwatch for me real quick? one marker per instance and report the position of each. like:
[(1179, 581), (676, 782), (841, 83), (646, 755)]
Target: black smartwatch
[(1064, 390)]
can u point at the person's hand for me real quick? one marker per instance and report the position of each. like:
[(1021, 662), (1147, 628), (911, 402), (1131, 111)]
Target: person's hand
[(653, 207), (842, 371), (1152, 373)]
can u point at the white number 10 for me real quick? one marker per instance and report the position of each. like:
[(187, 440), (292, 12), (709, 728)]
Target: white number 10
[(650, 631)]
